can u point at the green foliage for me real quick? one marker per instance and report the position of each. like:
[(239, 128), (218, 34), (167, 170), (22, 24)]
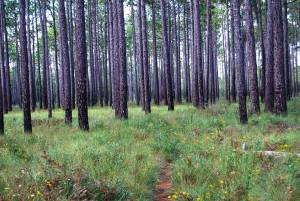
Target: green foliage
[(120, 160)]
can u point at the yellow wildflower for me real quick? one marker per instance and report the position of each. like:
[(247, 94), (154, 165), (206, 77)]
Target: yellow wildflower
[(38, 193), (221, 182)]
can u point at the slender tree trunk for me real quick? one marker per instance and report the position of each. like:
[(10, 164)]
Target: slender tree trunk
[(147, 97), (240, 61), (24, 68), (254, 94), (65, 64), (7, 67), (177, 53), (2, 67), (269, 88), (198, 92), (81, 65), (167, 57), (123, 109), (286, 50), (40, 91), (257, 7), (55, 56), (46, 71), (71, 50), (233, 62), (280, 106), (141, 64), (155, 67)]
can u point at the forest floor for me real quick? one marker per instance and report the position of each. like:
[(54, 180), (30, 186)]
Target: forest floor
[(196, 154)]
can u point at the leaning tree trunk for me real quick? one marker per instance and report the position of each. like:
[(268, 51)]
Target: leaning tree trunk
[(252, 68), (280, 106), (24, 68), (81, 65), (240, 61)]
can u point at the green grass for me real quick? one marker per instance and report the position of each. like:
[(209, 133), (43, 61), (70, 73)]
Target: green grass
[(120, 160)]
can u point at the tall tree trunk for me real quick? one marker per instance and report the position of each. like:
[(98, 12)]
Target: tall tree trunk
[(198, 93), (257, 7), (46, 71), (229, 52), (116, 65), (177, 53), (123, 109), (81, 65), (269, 89), (134, 44), (30, 66), (7, 67), (240, 61), (280, 106), (209, 54), (252, 69), (25, 70), (2, 67), (233, 58), (155, 67), (141, 63), (286, 49), (186, 54), (71, 50), (105, 66), (167, 56), (147, 97), (55, 56), (65, 63), (40, 91)]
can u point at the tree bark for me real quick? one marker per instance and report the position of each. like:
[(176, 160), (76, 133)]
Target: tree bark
[(123, 108), (280, 106), (65, 64), (147, 97), (252, 68), (25, 70), (155, 66), (167, 58), (2, 67), (81, 65), (269, 88), (198, 93), (240, 61)]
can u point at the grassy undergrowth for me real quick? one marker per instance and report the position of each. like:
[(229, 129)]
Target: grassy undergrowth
[(119, 160)]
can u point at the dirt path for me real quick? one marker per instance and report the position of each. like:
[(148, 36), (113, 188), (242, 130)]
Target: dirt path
[(163, 183)]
